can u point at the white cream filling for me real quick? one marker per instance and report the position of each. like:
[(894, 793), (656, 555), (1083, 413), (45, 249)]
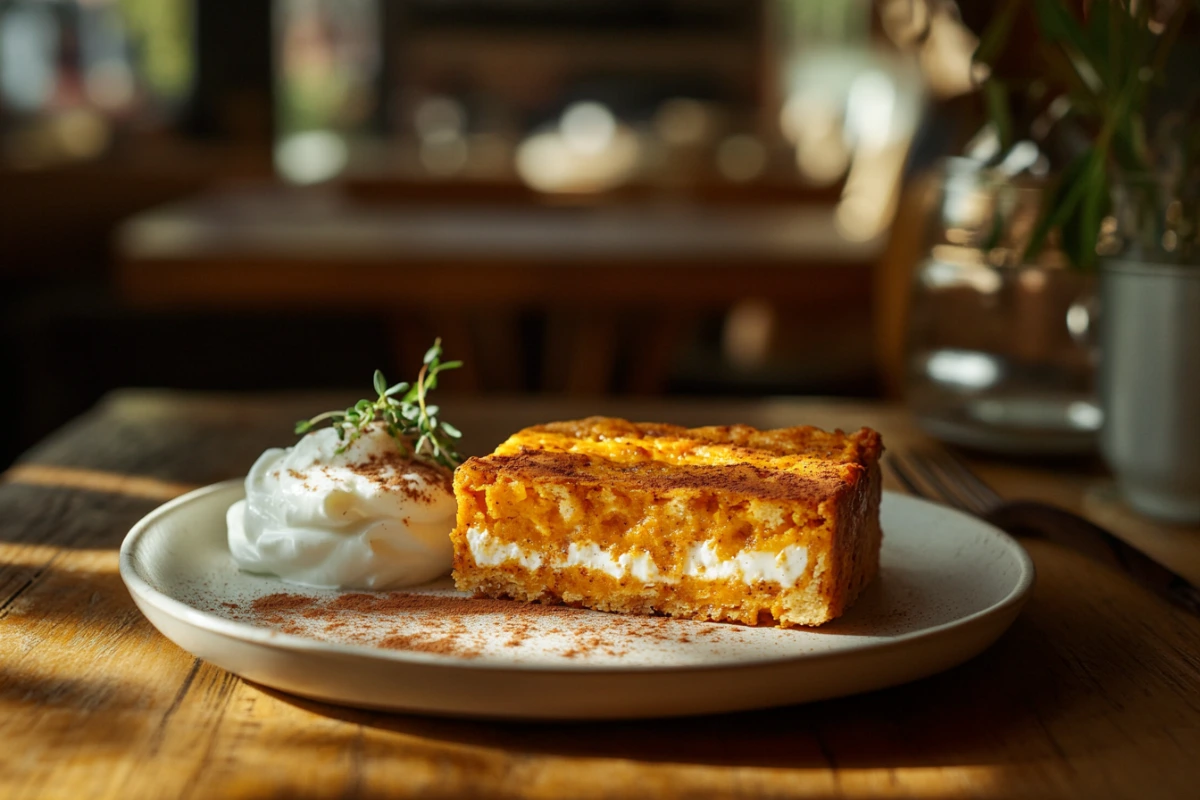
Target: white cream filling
[(489, 552), (592, 556), (700, 561)]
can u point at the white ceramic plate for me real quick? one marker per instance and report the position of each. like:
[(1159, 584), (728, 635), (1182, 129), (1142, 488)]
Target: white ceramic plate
[(949, 586)]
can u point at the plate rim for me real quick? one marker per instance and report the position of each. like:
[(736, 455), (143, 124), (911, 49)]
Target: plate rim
[(143, 591)]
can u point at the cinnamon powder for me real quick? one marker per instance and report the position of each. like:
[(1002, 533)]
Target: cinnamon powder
[(389, 470), (282, 601), (441, 622)]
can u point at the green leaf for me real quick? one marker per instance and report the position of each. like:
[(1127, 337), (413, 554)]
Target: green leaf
[(431, 410), (995, 96), (1058, 66), (450, 430), (303, 426), (1061, 202), (380, 383), (396, 388), (433, 352), (1130, 149), (995, 37), (445, 365), (992, 241), (1059, 25), (1092, 208)]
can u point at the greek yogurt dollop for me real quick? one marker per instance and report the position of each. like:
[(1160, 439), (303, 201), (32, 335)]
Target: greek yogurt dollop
[(367, 518)]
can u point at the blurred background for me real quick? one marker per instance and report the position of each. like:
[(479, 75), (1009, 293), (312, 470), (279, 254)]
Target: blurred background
[(629, 196)]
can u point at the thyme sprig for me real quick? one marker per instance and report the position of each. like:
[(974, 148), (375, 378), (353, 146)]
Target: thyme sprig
[(404, 409)]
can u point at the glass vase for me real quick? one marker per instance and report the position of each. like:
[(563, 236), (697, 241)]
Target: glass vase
[(1001, 353)]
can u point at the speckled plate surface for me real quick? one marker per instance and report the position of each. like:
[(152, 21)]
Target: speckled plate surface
[(949, 586)]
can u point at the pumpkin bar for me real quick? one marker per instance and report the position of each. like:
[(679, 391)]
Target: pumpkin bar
[(718, 523)]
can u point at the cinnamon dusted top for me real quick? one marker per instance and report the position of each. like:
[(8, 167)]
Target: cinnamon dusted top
[(743, 479), (388, 470), (804, 463)]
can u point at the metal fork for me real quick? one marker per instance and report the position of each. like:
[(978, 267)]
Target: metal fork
[(939, 475), (951, 480)]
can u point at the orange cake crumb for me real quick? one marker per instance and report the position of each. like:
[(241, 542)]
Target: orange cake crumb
[(721, 523)]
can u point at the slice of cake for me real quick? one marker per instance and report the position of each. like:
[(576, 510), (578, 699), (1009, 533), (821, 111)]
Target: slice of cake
[(722, 523)]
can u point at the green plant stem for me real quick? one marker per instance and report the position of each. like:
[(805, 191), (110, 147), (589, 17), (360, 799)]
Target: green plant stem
[(406, 418)]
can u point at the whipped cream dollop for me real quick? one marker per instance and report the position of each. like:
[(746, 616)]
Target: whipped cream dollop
[(367, 518)]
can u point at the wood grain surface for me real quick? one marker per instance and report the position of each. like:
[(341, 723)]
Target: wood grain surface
[(1094, 692)]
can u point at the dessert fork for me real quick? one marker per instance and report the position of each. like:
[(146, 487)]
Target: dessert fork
[(939, 475)]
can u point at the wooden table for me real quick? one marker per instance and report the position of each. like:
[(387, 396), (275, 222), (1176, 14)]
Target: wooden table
[(621, 286), (1094, 692)]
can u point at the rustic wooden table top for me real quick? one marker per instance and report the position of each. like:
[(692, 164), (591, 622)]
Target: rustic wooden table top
[(1094, 692), (599, 275)]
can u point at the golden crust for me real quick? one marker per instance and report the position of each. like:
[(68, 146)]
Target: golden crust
[(801, 463), (652, 491)]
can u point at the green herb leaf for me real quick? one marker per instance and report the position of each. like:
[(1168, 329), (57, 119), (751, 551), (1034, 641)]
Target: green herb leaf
[(433, 352), (403, 410)]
